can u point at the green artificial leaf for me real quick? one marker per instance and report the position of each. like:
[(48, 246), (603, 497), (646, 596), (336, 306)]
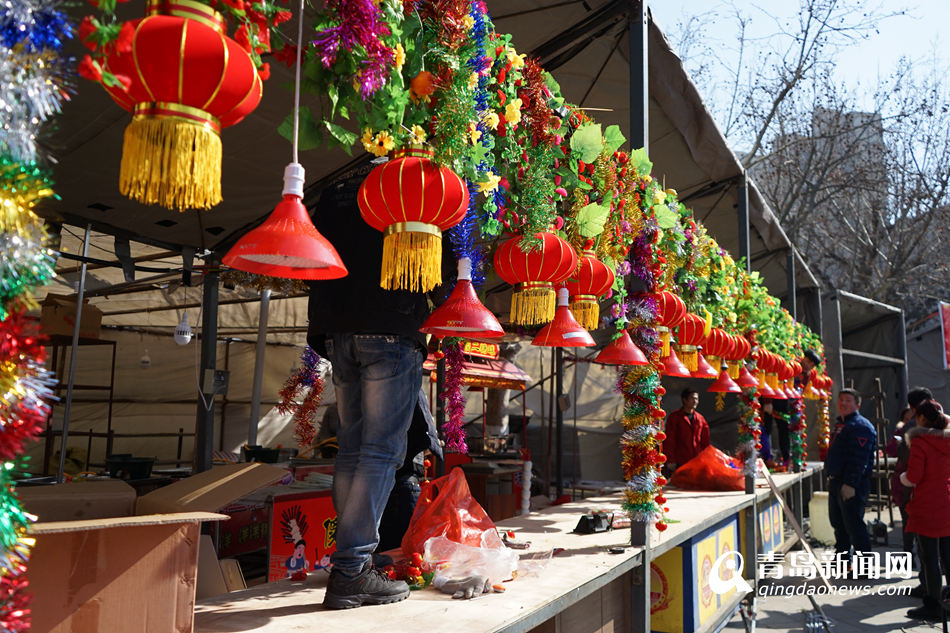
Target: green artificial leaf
[(342, 136), (334, 95), (665, 217), (591, 219), (613, 139), (552, 84), (310, 134), (640, 160), (587, 142), (584, 186)]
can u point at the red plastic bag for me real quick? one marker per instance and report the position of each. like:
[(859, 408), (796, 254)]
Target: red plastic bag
[(447, 508), (710, 470)]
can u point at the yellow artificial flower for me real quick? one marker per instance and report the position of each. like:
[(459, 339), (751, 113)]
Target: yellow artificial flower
[(659, 197), (517, 61), (469, 22), (490, 185), (492, 120), (472, 81), (648, 178), (474, 133), (671, 192), (399, 57), (513, 111), (367, 139), (417, 135), (383, 143)]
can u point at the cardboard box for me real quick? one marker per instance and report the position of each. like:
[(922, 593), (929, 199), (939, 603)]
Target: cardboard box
[(58, 316), (133, 573)]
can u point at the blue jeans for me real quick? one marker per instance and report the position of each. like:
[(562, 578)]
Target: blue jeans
[(377, 379), (847, 518)]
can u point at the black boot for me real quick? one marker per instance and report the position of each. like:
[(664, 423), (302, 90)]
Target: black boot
[(370, 586)]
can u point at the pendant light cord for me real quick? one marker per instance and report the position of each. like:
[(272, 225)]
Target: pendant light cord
[(297, 78)]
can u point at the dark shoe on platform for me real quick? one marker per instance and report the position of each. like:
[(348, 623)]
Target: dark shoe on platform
[(917, 592), (370, 586), (931, 614)]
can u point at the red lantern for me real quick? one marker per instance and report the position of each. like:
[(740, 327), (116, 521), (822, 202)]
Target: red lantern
[(534, 273), (563, 330), (592, 279), (412, 200), (463, 314), (691, 335), (718, 345), (188, 80), (670, 312), (621, 351)]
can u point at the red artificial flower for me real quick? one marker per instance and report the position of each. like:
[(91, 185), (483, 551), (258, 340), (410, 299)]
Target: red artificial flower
[(264, 72), (125, 80), (237, 5), (242, 37), (86, 28), (89, 69), (282, 16), (124, 42), (501, 75), (263, 40), (287, 55)]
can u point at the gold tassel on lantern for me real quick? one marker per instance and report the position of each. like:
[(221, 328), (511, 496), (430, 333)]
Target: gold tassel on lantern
[(664, 340), (772, 380), (171, 156), (412, 257), (586, 311), (715, 362), (689, 356), (733, 367), (533, 303)]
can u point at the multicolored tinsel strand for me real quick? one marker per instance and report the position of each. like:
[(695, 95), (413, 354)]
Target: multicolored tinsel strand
[(453, 430), (796, 433), (824, 426), (241, 279), (301, 396), (361, 27), (749, 431), (462, 237)]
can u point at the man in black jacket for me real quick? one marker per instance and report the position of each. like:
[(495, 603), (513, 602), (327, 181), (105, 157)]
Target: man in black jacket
[(371, 337)]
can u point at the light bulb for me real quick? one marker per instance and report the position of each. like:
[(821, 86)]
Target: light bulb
[(183, 331), (146, 361)]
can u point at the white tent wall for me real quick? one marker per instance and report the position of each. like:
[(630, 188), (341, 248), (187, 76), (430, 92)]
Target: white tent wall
[(163, 398)]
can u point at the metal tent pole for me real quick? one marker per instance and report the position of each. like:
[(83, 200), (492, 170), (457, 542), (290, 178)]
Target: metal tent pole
[(80, 293), (259, 351), (743, 217), (559, 420), (204, 423)]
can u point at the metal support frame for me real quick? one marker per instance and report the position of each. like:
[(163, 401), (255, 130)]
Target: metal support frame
[(792, 296), (559, 420), (440, 410), (80, 293), (259, 350), (204, 422)]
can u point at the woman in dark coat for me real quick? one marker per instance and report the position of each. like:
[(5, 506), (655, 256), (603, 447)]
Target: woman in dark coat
[(928, 471)]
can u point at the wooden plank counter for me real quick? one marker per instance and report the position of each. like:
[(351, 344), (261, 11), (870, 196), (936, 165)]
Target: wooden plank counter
[(584, 582)]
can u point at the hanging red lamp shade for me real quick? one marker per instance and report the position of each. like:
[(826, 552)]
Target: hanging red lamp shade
[(534, 269), (718, 344), (621, 351), (592, 279), (673, 367), (704, 369), (746, 379), (188, 80), (462, 314), (724, 384), (691, 334), (287, 244), (412, 200), (670, 312), (563, 330)]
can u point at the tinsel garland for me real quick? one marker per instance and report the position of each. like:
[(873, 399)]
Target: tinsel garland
[(301, 395), (824, 427), (453, 430), (796, 434), (462, 237), (749, 431)]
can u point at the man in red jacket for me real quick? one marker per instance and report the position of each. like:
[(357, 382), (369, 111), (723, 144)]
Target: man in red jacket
[(687, 432)]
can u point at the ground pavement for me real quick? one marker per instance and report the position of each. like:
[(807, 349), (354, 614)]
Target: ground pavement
[(878, 610)]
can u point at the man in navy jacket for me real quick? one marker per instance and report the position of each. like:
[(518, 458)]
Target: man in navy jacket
[(848, 465)]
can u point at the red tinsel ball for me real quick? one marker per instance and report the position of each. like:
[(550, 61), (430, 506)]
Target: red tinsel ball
[(758, 446), (659, 499), (661, 436), (661, 458), (661, 481), (661, 526), (660, 391)]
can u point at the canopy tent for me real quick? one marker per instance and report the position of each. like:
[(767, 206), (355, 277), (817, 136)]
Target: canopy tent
[(589, 57), (925, 357)]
